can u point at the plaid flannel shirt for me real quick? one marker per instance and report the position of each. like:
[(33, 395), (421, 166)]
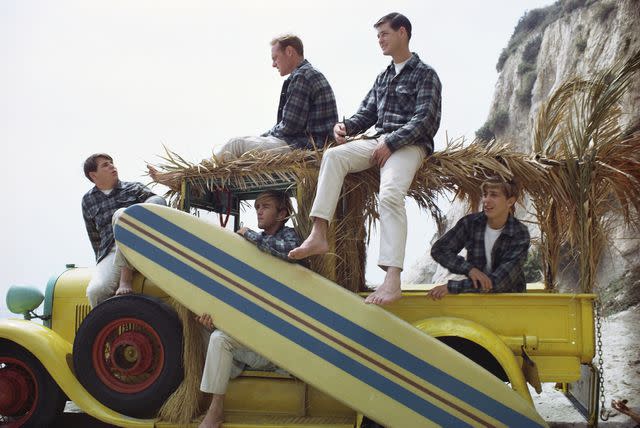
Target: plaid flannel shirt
[(406, 107), (98, 208), (279, 245), (508, 254), (307, 109)]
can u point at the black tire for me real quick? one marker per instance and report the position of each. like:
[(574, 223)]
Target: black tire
[(128, 354), (29, 397)]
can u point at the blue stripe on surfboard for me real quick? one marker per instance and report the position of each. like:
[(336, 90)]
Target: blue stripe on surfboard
[(284, 328), (337, 322)]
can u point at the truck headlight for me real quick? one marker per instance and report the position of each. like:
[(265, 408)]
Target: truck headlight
[(23, 300)]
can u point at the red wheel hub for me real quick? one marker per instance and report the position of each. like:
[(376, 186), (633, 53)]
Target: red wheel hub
[(18, 390), (132, 353), (128, 355)]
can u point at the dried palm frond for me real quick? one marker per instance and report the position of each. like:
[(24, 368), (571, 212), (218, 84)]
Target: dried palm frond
[(458, 169), (598, 172), (187, 402)]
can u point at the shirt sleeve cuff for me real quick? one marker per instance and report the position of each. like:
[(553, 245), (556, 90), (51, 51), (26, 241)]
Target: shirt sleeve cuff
[(251, 235)]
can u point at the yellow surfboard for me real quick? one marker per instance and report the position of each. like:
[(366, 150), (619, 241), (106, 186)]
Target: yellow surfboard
[(323, 334)]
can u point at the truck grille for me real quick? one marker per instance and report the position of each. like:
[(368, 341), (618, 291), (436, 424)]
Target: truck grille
[(81, 313)]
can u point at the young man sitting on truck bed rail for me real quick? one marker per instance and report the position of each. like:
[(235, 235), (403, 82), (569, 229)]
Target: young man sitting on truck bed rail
[(98, 207), (496, 242), (226, 358)]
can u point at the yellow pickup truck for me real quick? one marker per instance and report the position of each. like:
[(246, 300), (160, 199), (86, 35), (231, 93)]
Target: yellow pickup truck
[(120, 362)]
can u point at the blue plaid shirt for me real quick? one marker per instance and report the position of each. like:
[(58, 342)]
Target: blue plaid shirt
[(508, 254), (279, 245), (307, 109), (98, 208), (405, 107)]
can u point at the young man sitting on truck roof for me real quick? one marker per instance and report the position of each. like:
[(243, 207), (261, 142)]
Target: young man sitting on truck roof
[(226, 358), (98, 207), (496, 242), (307, 108)]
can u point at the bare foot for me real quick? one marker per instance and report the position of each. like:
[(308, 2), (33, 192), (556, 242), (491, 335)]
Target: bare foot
[(389, 291), (124, 288), (315, 244), (126, 278), (310, 247), (214, 416)]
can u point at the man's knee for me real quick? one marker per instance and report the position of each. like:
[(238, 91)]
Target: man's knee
[(219, 340), (334, 155), (97, 292)]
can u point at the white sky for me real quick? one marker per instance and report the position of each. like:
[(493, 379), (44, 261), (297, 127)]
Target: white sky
[(126, 76)]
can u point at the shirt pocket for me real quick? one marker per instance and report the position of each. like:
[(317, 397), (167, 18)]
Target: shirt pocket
[(406, 95)]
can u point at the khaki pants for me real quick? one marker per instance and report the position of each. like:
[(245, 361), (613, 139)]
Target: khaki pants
[(236, 147), (395, 178), (226, 358)]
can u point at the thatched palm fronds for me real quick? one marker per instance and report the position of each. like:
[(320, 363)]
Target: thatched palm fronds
[(598, 172), (458, 169)]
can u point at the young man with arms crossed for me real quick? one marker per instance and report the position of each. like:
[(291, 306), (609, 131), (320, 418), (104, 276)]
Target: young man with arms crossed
[(497, 245), (98, 207), (404, 107), (226, 358)]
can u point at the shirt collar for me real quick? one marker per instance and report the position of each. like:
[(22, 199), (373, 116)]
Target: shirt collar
[(509, 227), (117, 186), (411, 63), (296, 70)]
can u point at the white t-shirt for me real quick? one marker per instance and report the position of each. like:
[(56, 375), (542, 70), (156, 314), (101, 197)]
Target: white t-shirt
[(106, 192), (490, 237), (400, 66)]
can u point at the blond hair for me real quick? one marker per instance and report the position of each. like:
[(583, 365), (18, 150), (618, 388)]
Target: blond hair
[(289, 40)]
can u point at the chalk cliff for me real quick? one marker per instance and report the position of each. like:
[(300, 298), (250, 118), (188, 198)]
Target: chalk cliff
[(548, 46)]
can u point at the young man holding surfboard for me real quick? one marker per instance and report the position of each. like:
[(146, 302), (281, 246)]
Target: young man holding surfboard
[(497, 245), (226, 358), (404, 108), (98, 206)]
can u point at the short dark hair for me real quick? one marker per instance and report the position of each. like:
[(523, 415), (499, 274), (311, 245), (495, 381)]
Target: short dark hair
[(289, 40), (91, 164), (395, 20)]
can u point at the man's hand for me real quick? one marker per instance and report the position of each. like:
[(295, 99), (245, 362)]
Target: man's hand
[(480, 280), (438, 292), (242, 231), (340, 133), (381, 153), (206, 321)]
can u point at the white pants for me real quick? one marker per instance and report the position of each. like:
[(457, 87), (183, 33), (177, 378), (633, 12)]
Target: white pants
[(226, 358), (395, 178), (104, 281), (236, 147)]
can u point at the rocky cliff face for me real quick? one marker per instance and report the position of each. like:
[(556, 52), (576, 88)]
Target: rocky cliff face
[(549, 46)]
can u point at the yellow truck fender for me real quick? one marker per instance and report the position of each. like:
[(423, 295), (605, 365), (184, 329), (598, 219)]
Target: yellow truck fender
[(54, 353), (477, 333)]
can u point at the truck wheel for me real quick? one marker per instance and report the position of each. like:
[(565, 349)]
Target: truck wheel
[(128, 354), (29, 397)]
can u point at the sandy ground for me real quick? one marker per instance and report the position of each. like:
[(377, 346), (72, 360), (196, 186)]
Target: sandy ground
[(621, 348)]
